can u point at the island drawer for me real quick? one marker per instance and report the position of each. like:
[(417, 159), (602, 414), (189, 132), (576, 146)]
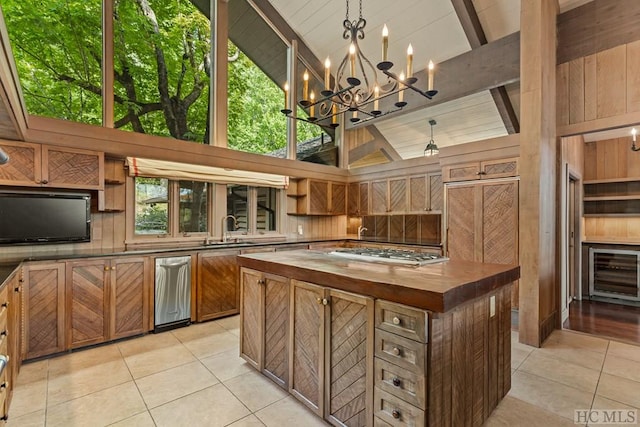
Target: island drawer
[(393, 411), (400, 382), (401, 320), (400, 351)]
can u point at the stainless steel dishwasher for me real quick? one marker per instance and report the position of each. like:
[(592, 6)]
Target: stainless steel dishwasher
[(172, 293)]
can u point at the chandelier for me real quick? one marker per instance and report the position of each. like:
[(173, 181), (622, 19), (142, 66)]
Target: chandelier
[(356, 89), (431, 149)]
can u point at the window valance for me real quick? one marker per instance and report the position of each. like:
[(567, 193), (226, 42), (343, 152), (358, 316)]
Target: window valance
[(185, 171)]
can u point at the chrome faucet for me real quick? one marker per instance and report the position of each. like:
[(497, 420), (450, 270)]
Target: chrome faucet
[(361, 229), (224, 226)]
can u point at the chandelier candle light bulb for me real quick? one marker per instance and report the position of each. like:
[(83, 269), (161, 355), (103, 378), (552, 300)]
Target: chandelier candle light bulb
[(286, 96), (633, 134), (385, 42), (327, 74), (401, 89), (312, 99), (352, 59), (376, 101), (430, 83), (409, 61), (305, 85)]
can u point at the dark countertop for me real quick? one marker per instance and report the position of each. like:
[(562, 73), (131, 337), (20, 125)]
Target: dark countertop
[(610, 242), (438, 287)]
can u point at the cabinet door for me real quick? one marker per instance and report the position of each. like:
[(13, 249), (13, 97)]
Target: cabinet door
[(499, 168), (87, 302), (398, 195), (251, 331), (436, 192), (69, 168), (379, 196), (276, 329), (363, 205), (353, 198), (318, 197), (338, 199), (14, 288), (461, 223), (461, 172), (217, 289), (129, 305), (306, 370), (44, 307), (24, 167), (349, 359), (418, 193)]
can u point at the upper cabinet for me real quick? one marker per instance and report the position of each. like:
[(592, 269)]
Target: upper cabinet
[(416, 194), (358, 199), (500, 168), (317, 197), (35, 165), (425, 193)]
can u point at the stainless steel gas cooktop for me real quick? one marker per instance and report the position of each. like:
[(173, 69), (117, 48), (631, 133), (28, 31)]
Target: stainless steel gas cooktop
[(392, 256)]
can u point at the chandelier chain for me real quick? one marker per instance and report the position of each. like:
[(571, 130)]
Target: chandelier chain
[(359, 11)]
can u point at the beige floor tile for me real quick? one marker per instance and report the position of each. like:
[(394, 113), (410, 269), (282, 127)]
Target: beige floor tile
[(213, 344), (518, 356), (622, 367), (588, 359), (288, 412), (98, 409), (569, 339), (552, 396), (231, 323), (255, 390), (147, 343), (513, 412), (628, 351), (226, 365), (81, 359), (34, 419), (211, 407), (143, 419), (28, 398), (250, 421), (561, 371), (197, 331), (158, 360), (620, 389), (33, 372), (87, 380), (165, 386)]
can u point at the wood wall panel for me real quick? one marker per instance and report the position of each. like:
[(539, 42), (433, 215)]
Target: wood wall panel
[(633, 76), (590, 100), (562, 94), (576, 90), (611, 87)]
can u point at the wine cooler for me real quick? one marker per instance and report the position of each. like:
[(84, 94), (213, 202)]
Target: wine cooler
[(614, 273)]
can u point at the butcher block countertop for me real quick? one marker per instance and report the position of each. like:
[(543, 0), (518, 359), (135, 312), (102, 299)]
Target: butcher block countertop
[(437, 287)]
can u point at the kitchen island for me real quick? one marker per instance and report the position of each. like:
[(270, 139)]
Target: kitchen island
[(373, 343)]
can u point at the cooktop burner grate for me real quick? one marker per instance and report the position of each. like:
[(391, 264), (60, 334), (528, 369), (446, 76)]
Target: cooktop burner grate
[(393, 256)]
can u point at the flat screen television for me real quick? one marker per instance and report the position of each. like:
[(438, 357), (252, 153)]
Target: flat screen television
[(44, 217)]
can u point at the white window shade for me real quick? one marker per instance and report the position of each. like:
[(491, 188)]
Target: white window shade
[(174, 170)]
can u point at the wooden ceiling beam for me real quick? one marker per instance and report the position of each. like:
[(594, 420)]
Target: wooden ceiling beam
[(475, 34)]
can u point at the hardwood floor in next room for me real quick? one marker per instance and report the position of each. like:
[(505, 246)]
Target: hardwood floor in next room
[(617, 321)]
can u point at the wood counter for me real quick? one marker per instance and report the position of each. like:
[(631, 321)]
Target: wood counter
[(438, 287), (374, 344)]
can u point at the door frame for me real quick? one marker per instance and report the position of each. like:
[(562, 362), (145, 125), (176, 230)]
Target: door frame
[(569, 290)]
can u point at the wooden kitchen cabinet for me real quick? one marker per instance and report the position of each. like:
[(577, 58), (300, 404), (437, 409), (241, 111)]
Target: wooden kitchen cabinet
[(500, 168), (44, 309), (36, 165), (482, 223), (107, 299), (264, 320), (425, 193), (358, 199), (217, 286), (331, 352), (318, 197), (113, 198), (14, 326)]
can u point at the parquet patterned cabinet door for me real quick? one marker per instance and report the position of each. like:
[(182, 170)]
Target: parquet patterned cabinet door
[(318, 197), (276, 329), (217, 290), (353, 198), (363, 204), (252, 289), (461, 226), (71, 168), (25, 167), (379, 194), (338, 199), (349, 360), (306, 354), (418, 193), (398, 195), (87, 302), (44, 309), (129, 305), (436, 192)]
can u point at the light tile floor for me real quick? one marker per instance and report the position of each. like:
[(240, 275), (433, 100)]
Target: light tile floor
[(193, 377)]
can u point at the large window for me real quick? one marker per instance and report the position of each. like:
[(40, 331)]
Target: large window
[(57, 45), (152, 206), (193, 207), (254, 208)]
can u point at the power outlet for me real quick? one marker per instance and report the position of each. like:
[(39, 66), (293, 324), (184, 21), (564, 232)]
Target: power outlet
[(492, 306), (300, 232)]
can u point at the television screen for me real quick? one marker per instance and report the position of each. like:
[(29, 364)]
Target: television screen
[(39, 217)]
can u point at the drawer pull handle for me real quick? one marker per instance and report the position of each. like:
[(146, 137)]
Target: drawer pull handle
[(396, 351), (261, 281), (396, 382), (396, 320), (3, 333), (5, 304), (395, 414), (5, 384)]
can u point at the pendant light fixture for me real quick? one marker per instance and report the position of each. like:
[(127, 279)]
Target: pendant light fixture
[(431, 148)]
